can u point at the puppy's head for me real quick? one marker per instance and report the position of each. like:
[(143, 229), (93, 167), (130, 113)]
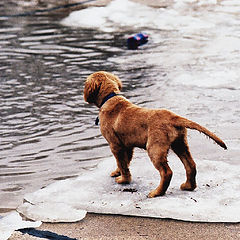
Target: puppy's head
[(98, 85)]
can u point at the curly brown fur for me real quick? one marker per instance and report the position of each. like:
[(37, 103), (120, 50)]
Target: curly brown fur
[(125, 126)]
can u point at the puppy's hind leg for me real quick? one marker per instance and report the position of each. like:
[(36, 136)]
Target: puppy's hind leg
[(158, 156), (180, 147), (123, 157)]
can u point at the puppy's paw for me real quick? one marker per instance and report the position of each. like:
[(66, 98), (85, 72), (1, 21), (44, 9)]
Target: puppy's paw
[(115, 173), (123, 180), (155, 193), (188, 186)]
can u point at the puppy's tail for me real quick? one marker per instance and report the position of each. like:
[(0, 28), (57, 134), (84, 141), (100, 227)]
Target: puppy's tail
[(183, 122)]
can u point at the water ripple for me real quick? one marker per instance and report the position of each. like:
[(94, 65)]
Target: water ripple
[(44, 124)]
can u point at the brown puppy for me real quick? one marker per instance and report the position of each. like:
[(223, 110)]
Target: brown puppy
[(125, 126)]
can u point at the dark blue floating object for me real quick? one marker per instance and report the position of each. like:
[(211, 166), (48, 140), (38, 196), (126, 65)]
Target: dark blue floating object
[(137, 40)]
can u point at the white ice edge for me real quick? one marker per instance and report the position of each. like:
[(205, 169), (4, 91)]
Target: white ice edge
[(121, 14), (125, 13), (217, 198), (52, 212), (13, 221)]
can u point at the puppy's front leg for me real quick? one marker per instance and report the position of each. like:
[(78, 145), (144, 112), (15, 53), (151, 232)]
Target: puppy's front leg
[(123, 157)]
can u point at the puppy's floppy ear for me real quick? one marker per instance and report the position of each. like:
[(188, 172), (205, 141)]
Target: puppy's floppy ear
[(91, 89), (115, 79), (119, 82)]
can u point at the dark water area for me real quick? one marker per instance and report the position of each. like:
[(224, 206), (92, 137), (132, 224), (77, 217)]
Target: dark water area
[(47, 131)]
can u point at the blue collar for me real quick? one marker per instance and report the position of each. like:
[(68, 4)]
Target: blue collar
[(113, 94)]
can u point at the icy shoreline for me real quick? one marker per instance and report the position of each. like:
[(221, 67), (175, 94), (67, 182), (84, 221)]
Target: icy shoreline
[(215, 200)]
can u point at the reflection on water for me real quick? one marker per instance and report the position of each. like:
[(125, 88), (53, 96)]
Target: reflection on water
[(47, 132)]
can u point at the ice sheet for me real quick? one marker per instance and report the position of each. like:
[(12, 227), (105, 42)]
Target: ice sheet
[(216, 199), (12, 222), (121, 14)]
